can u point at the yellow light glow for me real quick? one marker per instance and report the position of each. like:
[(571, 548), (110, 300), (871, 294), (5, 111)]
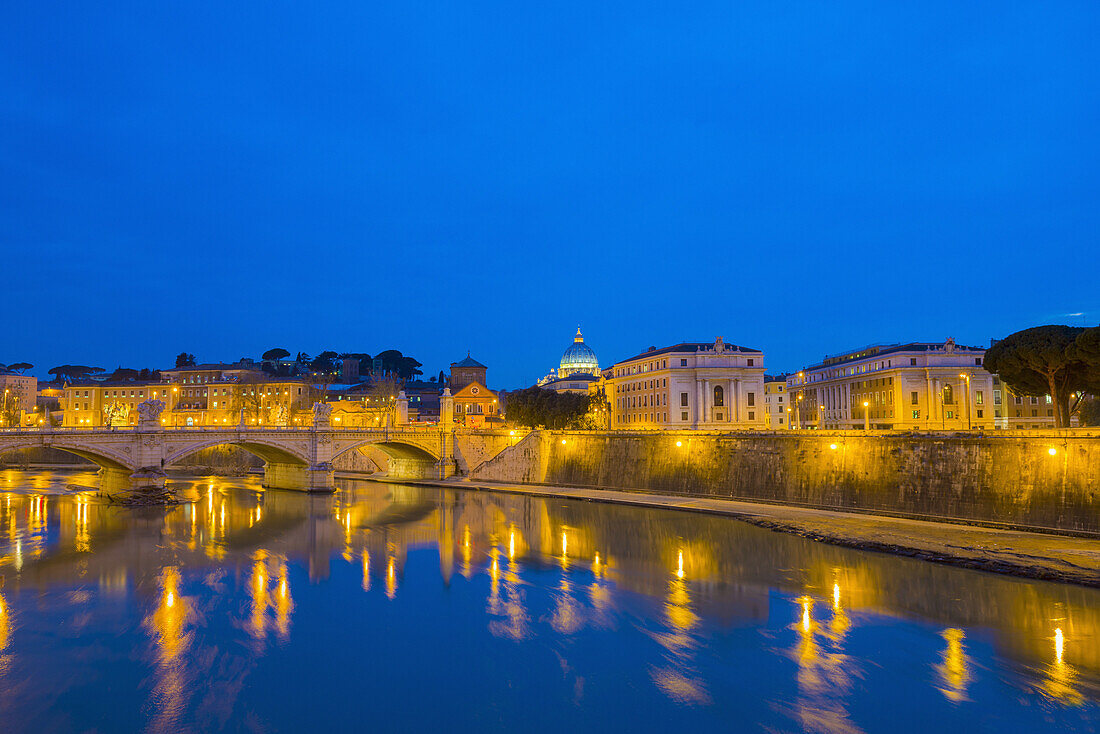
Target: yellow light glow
[(806, 615), (511, 433), (679, 443), (680, 565), (1059, 645), (563, 440), (865, 404), (1052, 451), (170, 600), (832, 446), (564, 544), (512, 544), (836, 596)]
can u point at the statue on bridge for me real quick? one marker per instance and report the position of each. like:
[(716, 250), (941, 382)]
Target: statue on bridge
[(321, 412), (149, 413)]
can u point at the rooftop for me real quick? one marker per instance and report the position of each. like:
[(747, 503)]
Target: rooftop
[(692, 347), (878, 350), (469, 362)]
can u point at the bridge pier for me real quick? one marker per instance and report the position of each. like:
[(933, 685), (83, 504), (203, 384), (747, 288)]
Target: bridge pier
[(316, 478)]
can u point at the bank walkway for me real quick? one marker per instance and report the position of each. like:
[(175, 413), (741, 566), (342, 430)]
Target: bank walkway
[(1031, 555)]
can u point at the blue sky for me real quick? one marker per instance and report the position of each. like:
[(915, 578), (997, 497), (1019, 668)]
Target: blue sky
[(441, 177)]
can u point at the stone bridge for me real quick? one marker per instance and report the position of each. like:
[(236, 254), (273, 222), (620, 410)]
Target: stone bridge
[(294, 458)]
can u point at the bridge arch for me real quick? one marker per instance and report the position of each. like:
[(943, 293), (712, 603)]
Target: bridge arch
[(271, 453), (103, 457), (407, 459)]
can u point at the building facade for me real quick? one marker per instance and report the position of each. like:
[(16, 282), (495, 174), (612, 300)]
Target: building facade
[(775, 402), (914, 386), (689, 385), (18, 397)]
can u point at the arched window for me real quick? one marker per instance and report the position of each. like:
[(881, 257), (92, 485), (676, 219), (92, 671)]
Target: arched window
[(719, 396), (948, 395)]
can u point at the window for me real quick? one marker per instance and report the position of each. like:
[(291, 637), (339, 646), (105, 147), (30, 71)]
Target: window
[(750, 362), (912, 361), (1034, 413), (948, 396), (949, 415), (752, 416), (683, 415), (977, 360), (996, 397), (780, 421), (719, 397), (718, 416), (750, 399), (916, 415), (914, 398), (1019, 401), (683, 401), (981, 413), (781, 398), (979, 398), (683, 363)]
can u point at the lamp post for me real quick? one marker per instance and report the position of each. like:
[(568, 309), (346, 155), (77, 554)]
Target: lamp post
[(966, 377), (820, 417), (866, 415), (798, 410)]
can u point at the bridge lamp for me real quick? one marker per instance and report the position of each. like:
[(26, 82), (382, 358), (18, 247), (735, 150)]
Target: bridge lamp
[(1052, 451), (563, 442)]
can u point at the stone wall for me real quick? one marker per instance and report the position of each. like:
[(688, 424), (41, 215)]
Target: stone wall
[(472, 449), (1009, 478)]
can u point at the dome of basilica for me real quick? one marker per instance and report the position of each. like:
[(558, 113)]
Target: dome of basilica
[(579, 357)]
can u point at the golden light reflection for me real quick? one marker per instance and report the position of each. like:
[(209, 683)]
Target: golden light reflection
[(5, 625), (366, 570), (680, 565), (823, 678), (168, 625), (953, 668), (257, 593), (284, 603), (678, 680), (466, 551), (391, 577), (1061, 680), (511, 545), (81, 537)]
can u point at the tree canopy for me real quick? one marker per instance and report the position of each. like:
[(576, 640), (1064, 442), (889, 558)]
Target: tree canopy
[(1056, 360), (19, 367), (183, 359), (73, 372), (277, 353), (535, 407)]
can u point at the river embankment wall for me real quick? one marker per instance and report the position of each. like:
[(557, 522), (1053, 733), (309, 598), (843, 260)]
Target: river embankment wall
[(1048, 480)]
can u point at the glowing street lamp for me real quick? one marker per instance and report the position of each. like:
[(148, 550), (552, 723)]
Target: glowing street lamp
[(866, 415), (966, 377)]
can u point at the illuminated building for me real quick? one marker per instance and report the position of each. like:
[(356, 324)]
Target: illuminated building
[(578, 370), (474, 403), (688, 385), (897, 386), (18, 395), (775, 402)]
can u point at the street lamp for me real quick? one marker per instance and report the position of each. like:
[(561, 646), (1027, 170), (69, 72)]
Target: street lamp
[(866, 415), (821, 416), (966, 377), (798, 410)]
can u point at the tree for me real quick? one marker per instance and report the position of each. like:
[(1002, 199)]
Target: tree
[(1046, 360), (539, 408), (274, 355), (20, 367), (324, 362), (73, 372), (442, 378), (1090, 412), (183, 359)]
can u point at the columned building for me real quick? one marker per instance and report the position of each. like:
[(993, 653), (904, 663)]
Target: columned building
[(692, 385), (914, 386)]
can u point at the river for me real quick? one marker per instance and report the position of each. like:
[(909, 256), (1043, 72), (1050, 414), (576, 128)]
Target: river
[(406, 608)]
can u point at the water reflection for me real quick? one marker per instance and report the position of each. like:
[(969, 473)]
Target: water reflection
[(665, 596)]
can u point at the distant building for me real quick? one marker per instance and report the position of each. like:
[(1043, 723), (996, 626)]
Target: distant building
[(465, 372), (913, 386), (475, 404), (577, 370), (775, 403), (689, 385), (18, 395)]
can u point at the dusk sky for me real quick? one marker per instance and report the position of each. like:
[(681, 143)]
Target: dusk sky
[(804, 178)]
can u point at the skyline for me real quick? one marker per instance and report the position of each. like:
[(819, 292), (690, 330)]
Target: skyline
[(436, 180)]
